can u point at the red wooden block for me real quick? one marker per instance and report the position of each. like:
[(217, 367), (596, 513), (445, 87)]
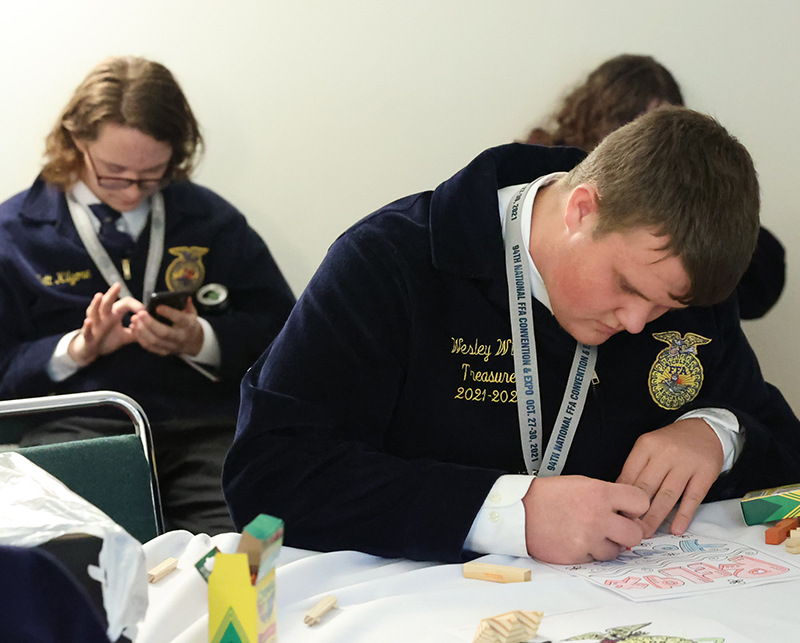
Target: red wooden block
[(780, 532)]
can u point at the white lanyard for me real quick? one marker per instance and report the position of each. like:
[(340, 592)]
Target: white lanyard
[(81, 218), (526, 365), (155, 252)]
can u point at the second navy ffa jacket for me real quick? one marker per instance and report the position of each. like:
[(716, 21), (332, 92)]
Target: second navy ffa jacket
[(385, 410), (47, 280)]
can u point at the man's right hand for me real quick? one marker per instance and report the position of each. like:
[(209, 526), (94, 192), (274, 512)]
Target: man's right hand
[(102, 331), (574, 519)]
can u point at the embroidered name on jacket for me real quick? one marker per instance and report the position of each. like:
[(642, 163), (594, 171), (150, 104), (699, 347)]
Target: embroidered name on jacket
[(64, 277), (187, 272), (480, 378), (677, 374)]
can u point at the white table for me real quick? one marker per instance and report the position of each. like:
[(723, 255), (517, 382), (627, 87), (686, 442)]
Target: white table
[(383, 600)]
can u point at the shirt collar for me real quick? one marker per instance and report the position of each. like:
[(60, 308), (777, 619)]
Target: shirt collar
[(504, 196), (134, 220)]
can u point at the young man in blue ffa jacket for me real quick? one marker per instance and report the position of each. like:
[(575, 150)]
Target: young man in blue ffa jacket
[(539, 357), (112, 219)]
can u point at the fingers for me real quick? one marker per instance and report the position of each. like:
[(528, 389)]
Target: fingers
[(667, 495), (681, 460), (152, 335), (634, 465), (606, 550), (693, 496), (185, 336), (602, 518), (628, 500), (102, 331), (623, 532), (662, 484), (126, 305)]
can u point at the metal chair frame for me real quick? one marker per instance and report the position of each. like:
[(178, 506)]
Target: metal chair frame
[(28, 406)]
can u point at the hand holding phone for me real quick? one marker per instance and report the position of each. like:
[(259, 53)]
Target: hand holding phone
[(173, 299)]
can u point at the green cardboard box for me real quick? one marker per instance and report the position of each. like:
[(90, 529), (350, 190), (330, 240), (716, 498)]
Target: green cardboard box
[(767, 505)]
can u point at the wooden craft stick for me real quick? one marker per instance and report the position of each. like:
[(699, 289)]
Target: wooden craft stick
[(319, 610), (496, 573), (162, 569)]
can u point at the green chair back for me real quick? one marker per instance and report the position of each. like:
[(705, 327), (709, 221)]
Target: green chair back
[(11, 429), (115, 473), (110, 472)]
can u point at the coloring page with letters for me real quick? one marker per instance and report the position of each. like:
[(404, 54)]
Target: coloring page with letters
[(667, 566)]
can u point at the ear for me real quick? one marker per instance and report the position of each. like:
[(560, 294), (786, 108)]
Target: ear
[(581, 209)]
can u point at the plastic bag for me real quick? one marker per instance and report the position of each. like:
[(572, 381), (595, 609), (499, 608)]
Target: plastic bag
[(36, 508)]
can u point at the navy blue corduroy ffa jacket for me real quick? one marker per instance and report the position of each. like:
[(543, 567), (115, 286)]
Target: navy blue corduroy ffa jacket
[(385, 410), (47, 280)]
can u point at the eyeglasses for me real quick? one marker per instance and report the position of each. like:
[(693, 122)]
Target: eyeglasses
[(121, 183)]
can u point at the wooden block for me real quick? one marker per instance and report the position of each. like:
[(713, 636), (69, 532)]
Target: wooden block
[(792, 545), (774, 536), (511, 627), (496, 573), (794, 533), (162, 569), (780, 532), (319, 610)]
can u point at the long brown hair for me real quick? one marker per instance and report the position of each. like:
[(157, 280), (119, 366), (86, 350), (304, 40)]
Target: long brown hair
[(614, 94), (128, 91)]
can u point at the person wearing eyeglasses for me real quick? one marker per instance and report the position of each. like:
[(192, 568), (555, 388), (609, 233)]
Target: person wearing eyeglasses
[(112, 219)]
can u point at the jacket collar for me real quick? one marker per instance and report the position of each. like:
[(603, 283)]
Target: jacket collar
[(45, 203), (465, 231)]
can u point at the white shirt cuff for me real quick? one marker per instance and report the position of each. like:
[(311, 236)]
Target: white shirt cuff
[(210, 353), (726, 426), (61, 365), (499, 527)]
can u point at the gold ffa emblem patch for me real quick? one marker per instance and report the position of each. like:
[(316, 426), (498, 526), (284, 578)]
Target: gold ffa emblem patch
[(187, 272), (677, 374)]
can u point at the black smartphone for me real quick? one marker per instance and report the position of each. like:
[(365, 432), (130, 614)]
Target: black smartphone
[(173, 299)]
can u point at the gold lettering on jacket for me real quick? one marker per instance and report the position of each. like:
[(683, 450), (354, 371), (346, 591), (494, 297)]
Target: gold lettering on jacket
[(463, 347), (488, 377), (64, 277)]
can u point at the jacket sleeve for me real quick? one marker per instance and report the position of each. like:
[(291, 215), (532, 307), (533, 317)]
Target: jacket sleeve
[(259, 299), (317, 439), (23, 355)]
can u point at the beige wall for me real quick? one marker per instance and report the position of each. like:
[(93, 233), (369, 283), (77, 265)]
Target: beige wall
[(317, 112)]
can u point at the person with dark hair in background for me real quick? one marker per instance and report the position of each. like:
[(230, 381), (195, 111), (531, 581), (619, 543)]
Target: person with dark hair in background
[(112, 219), (615, 93)]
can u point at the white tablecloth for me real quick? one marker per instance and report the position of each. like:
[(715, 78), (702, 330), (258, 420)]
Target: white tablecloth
[(399, 600)]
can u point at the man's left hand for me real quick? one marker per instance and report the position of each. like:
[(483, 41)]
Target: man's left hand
[(184, 337), (680, 460)]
